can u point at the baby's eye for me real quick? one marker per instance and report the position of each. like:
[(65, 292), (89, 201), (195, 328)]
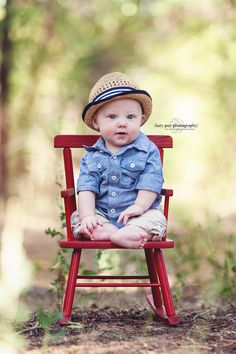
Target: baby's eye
[(130, 116), (112, 116)]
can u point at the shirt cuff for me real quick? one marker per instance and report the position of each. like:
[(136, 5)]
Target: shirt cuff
[(87, 188), (150, 182)]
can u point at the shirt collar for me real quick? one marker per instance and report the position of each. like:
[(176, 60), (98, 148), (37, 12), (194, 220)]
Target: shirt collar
[(140, 143), (99, 145)]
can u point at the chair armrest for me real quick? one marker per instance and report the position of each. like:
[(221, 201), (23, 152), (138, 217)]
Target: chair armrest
[(65, 193), (167, 192)]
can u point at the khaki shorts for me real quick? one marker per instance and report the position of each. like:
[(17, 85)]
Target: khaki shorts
[(152, 221)]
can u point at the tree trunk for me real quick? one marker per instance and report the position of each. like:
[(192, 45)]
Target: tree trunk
[(4, 98)]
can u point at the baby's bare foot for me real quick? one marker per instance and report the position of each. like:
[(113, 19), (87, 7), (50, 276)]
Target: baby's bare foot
[(104, 232), (144, 239), (131, 236)]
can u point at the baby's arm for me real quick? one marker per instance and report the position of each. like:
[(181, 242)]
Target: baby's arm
[(144, 200), (88, 219)]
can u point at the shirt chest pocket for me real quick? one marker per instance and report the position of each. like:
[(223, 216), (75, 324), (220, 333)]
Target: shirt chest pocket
[(96, 166), (130, 171)]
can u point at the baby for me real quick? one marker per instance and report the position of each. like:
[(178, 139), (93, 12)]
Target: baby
[(121, 174)]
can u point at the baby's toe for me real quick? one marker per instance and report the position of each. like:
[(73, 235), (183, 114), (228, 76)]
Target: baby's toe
[(142, 242)]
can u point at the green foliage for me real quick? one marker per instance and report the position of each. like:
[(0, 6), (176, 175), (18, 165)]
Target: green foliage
[(185, 258), (53, 232), (104, 260), (61, 264), (46, 319), (224, 270), (204, 255)]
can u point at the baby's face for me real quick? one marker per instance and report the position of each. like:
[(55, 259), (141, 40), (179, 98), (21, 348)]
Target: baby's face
[(119, 122)]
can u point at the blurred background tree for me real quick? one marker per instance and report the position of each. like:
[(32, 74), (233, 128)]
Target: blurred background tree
[(182, 52)]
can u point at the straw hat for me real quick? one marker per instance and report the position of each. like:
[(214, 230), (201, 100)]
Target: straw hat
[(111, 87)]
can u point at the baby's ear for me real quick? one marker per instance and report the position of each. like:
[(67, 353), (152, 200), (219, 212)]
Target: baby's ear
[(95, 124), (142, 118)]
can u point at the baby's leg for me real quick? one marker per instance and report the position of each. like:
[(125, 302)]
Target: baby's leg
[(131, 236), (103, 232)]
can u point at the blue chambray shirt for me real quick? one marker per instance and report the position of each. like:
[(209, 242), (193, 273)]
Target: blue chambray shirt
[(116, 178)]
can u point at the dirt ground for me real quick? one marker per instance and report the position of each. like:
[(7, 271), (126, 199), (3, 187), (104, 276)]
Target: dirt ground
[(120, 322)]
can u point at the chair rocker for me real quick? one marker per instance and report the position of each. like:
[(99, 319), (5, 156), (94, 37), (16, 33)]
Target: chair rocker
[(160, 299)]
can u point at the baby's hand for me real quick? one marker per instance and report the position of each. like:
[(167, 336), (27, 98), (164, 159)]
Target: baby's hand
[(88, 223), (133, 210)]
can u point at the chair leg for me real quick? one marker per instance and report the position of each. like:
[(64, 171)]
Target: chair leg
[(154, 299), (172, 318), (70, 287)]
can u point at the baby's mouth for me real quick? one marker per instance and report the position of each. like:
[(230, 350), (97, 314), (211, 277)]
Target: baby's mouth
[(121, 133)]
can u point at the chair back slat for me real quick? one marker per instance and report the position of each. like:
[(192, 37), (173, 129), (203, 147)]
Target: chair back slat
[(161, 150), (70, 203), (68, 168), (77, 141), (74, 141)]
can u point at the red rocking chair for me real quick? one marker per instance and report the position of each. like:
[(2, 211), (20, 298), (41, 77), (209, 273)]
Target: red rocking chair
[(160, 298)]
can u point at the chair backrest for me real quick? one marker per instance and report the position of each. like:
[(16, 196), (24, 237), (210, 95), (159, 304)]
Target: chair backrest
[(68, 142)]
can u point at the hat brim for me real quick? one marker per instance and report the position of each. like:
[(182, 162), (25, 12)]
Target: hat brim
[(142, 97)]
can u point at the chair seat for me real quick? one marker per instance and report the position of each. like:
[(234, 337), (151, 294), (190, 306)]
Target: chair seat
[(85, 244)]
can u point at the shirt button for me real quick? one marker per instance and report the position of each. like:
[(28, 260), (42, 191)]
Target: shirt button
[(113, 178), (113, 210), (99, 165), (113, 194), (132, 165), (114, 156)]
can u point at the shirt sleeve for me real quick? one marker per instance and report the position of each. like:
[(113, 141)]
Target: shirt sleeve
[(88, 180), (152, 177)]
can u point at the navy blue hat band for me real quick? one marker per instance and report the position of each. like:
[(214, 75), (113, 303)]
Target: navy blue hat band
[(113, 92), (110, 93)]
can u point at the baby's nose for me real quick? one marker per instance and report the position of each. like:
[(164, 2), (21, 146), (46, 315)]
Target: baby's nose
[(122, 122)]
